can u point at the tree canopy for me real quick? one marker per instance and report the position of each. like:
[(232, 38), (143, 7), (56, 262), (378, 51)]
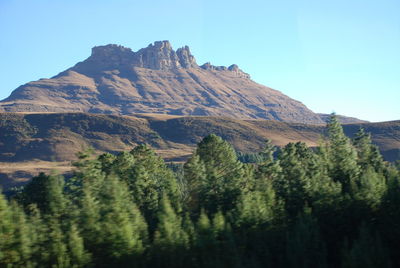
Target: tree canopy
[(337, 205)]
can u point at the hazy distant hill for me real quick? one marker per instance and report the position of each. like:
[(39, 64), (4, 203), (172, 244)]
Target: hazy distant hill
[(156, 79)]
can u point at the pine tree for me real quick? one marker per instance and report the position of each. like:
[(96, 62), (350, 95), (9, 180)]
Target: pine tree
[(123, 230), (389, 214), (170, 239), (319, 189), (370, 188), (107, 162), (90, 217), (6, 232), (269, 169), (158, 170), (149, 179), (368, 153), (22, 243), (293, 182), (79, 256), (204, 246), (304, 247), (56, 245), (97, 218), (88, 168), (169, 233), (342, 165), (47, 192), (223, 242), (224, 181), (15, 239), (195, 175), (189, 229), (39, 231), (367, 251), (122, 165), (257, 209), (145, 192)]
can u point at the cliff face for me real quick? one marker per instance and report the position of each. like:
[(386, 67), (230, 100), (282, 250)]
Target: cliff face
[(157, 56), (156, 79)]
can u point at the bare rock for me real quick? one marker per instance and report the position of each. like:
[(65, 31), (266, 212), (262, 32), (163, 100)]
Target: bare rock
[(157, 56), (186, 59)]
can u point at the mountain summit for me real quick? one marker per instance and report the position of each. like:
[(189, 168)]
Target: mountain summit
[(157, 56), (155, 79)]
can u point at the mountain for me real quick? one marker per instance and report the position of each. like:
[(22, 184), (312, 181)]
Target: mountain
[(342, 119), (30, 143), (155, 79)]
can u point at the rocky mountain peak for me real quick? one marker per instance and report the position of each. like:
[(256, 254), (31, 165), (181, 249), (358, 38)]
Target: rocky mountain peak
[(110, 50), (161, 56), (186, 59), (111, 55), (106, 57), (162, 45), (158, 56), (233, 68)]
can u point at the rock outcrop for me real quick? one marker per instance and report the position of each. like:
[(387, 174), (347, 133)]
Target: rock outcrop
[(157, 56), (186, 59)]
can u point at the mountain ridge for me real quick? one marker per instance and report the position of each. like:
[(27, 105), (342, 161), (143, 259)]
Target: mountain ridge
[(156, 79)]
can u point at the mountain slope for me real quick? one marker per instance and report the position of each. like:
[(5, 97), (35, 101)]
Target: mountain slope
[(156, 79), (59, 136), (33, 143)]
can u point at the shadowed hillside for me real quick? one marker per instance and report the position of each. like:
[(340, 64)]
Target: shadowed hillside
[(57, 137)]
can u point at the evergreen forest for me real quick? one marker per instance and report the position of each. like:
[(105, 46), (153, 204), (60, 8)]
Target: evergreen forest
[(337, 205)]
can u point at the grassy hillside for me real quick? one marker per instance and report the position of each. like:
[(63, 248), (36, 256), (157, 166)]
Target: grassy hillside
[(26, 139)]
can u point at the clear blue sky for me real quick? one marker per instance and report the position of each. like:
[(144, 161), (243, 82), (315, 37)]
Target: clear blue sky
[(341, 55)]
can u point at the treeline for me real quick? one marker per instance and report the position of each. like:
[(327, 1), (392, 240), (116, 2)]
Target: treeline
[(334, 206)]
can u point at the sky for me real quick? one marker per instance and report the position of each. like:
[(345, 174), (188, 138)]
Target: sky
[(338, 56)]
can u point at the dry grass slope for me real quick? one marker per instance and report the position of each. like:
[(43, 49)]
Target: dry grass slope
[(50, 140)]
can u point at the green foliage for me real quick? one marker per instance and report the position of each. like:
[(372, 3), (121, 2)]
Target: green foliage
[(195, 176), (15, 242), (304, 247), (304, 180), (149, 179), (169, 234), (123, 227), (332, 206), (269, 169), (367, 251), (222, 181), (253, 158), (368, 154), (79, 256), (170, 238), (47, 193), (342, 156), (258, 208)]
